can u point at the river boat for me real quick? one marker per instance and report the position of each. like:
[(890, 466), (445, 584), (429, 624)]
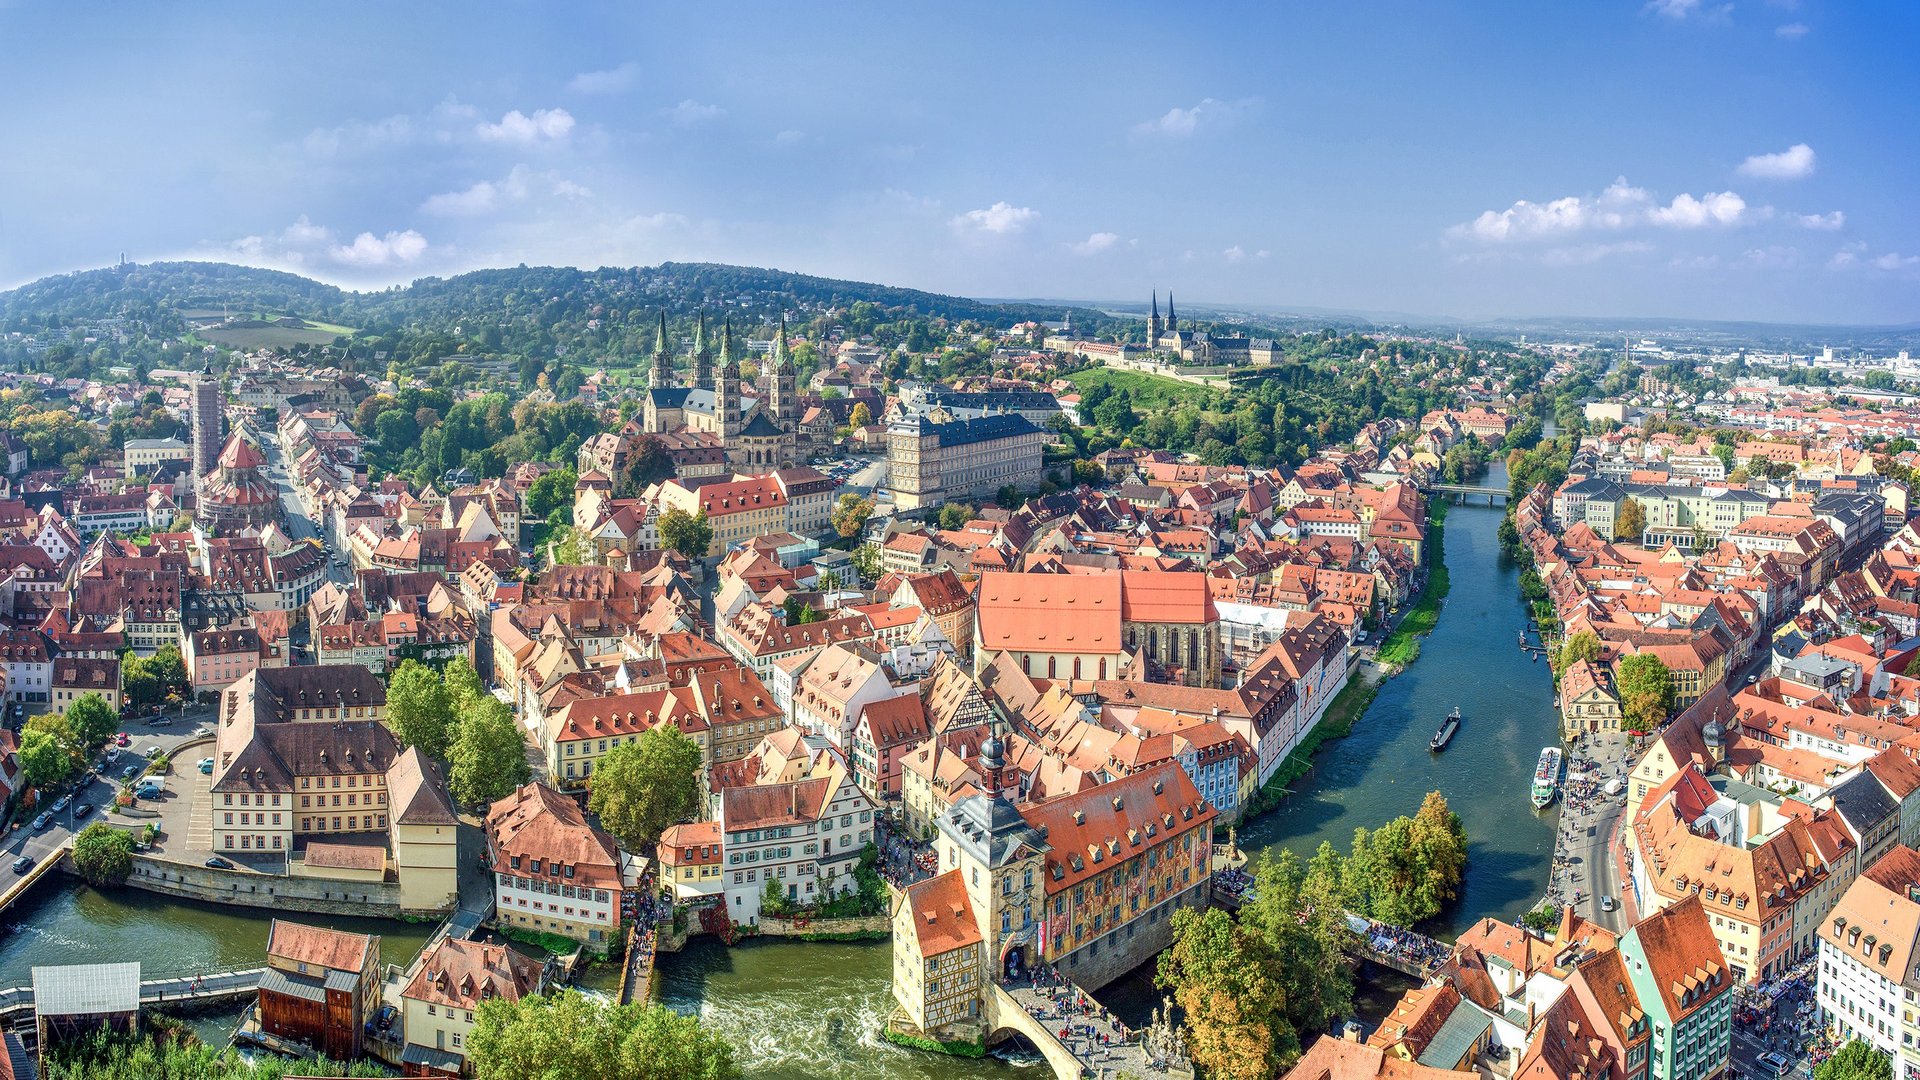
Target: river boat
[(1445, 735), (1546, 777)]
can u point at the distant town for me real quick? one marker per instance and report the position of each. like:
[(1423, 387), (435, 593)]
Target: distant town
[(559, 642)]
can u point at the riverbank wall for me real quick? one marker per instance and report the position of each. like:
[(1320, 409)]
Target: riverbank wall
[(371, 899), (855, 928)]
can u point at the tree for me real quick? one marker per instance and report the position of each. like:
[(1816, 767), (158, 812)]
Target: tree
[(1646, 692), (866, 560), (1581, 646), (1301, 915), (1409, 868), (550, 491), (44, 759), (850, 514), (1220, 972), (1631, 522), (639, 788), (420, 708), (647, 463), (103, 854), (861, 415), (463, 684), (1439, 852), (167, 667), (688, 534), (1855, 1061), (954, 515), (488, 758), (137, 682), (92, 721), (570, 1034)]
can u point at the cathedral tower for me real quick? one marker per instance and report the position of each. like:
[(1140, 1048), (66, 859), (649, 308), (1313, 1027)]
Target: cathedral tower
[(702, 354), (1153, 322), (1173, 325), (726, 389), (661, 372), (780, 395)]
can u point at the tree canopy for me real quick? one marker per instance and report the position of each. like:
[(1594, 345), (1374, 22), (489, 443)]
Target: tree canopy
[(488, 758), (420, 708), (1855, 1061), (92, 721), (567, 1034), (688, 534), (1646, 692), (103, 854), (641, 787)]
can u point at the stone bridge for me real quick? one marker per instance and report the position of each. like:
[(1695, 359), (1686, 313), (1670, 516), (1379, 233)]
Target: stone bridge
[(1029, 1012)]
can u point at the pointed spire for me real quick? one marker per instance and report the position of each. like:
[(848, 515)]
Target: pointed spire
[(782, 359), (1172, 325), (660, 340), (1156, 304), (700, 335)]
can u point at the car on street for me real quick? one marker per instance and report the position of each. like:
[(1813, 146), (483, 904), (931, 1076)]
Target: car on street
[(162, 720), (60, 803), (203, 732), (130, 771), (23, 864), (1773, 1061), (40, 823), (1607, 903), (82, 810), (150, 752), (122, 740), (219, 863)]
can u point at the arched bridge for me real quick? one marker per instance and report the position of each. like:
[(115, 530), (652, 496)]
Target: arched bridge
[(1468, 493)]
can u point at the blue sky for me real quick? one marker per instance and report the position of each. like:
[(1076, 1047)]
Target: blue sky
[(1679, 158)]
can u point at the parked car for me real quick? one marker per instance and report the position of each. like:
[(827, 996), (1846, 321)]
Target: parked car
[(150, 752), (60, 804), (162, 720), (149, 789), (1773, 1060), (82, 810), (23, 864), (219, 863), (130, 771), (40, 823), (122, 740), (206, 765)]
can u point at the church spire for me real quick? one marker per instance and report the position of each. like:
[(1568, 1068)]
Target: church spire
[(662, 360), (782, 360), (1153, 323), (1172, 325), (728, 361), (702, 353)]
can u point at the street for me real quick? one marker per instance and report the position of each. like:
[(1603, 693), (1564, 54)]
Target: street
[(1583, 863), (294, 513), (98, 790)]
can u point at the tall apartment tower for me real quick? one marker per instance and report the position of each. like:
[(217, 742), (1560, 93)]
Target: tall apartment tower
[(205, 411)]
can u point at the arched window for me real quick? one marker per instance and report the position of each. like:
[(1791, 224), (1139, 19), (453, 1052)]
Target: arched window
[(1051, 660), (1076, 668)]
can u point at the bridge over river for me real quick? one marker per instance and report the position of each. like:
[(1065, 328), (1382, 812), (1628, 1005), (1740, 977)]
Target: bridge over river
[(16, 1003)]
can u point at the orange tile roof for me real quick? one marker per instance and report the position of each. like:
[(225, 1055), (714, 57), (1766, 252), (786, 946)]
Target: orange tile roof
[(942, 915)]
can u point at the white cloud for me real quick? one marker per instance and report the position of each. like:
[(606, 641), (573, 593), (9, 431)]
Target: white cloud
[(610, 81), (789, 137), (1095, 244), (1682, 10), (1792, 31), (544, 126), (1614, 208), (359, 137), (1687, 212), (1179, 123), (1891, 261), (1000, 219), (304, 245), (1587, 254), (488, 196), (370, 250), (690, 113), (481, 198), (1234, 254), (1772, 257), (1793, 163), (1827, 222)]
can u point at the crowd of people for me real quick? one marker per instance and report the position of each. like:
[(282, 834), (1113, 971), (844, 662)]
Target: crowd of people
[(1583, 801), (1086, 1028), (1419, 949), (1781, 1014), (1233, 885), (903, 861)]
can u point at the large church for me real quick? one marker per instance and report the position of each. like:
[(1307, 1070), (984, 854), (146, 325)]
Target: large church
[(758, 432), (1201, 347)]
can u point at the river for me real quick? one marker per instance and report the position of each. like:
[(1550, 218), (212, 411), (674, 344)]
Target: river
[(812, 1010), (1383, 769)]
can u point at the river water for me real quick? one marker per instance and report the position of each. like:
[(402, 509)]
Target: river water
[(800, 1010), (1471, 660)]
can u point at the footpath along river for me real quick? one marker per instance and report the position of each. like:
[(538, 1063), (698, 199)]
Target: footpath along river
[(815, 1010)]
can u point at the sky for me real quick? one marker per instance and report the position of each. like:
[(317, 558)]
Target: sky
[(1672, 158)]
